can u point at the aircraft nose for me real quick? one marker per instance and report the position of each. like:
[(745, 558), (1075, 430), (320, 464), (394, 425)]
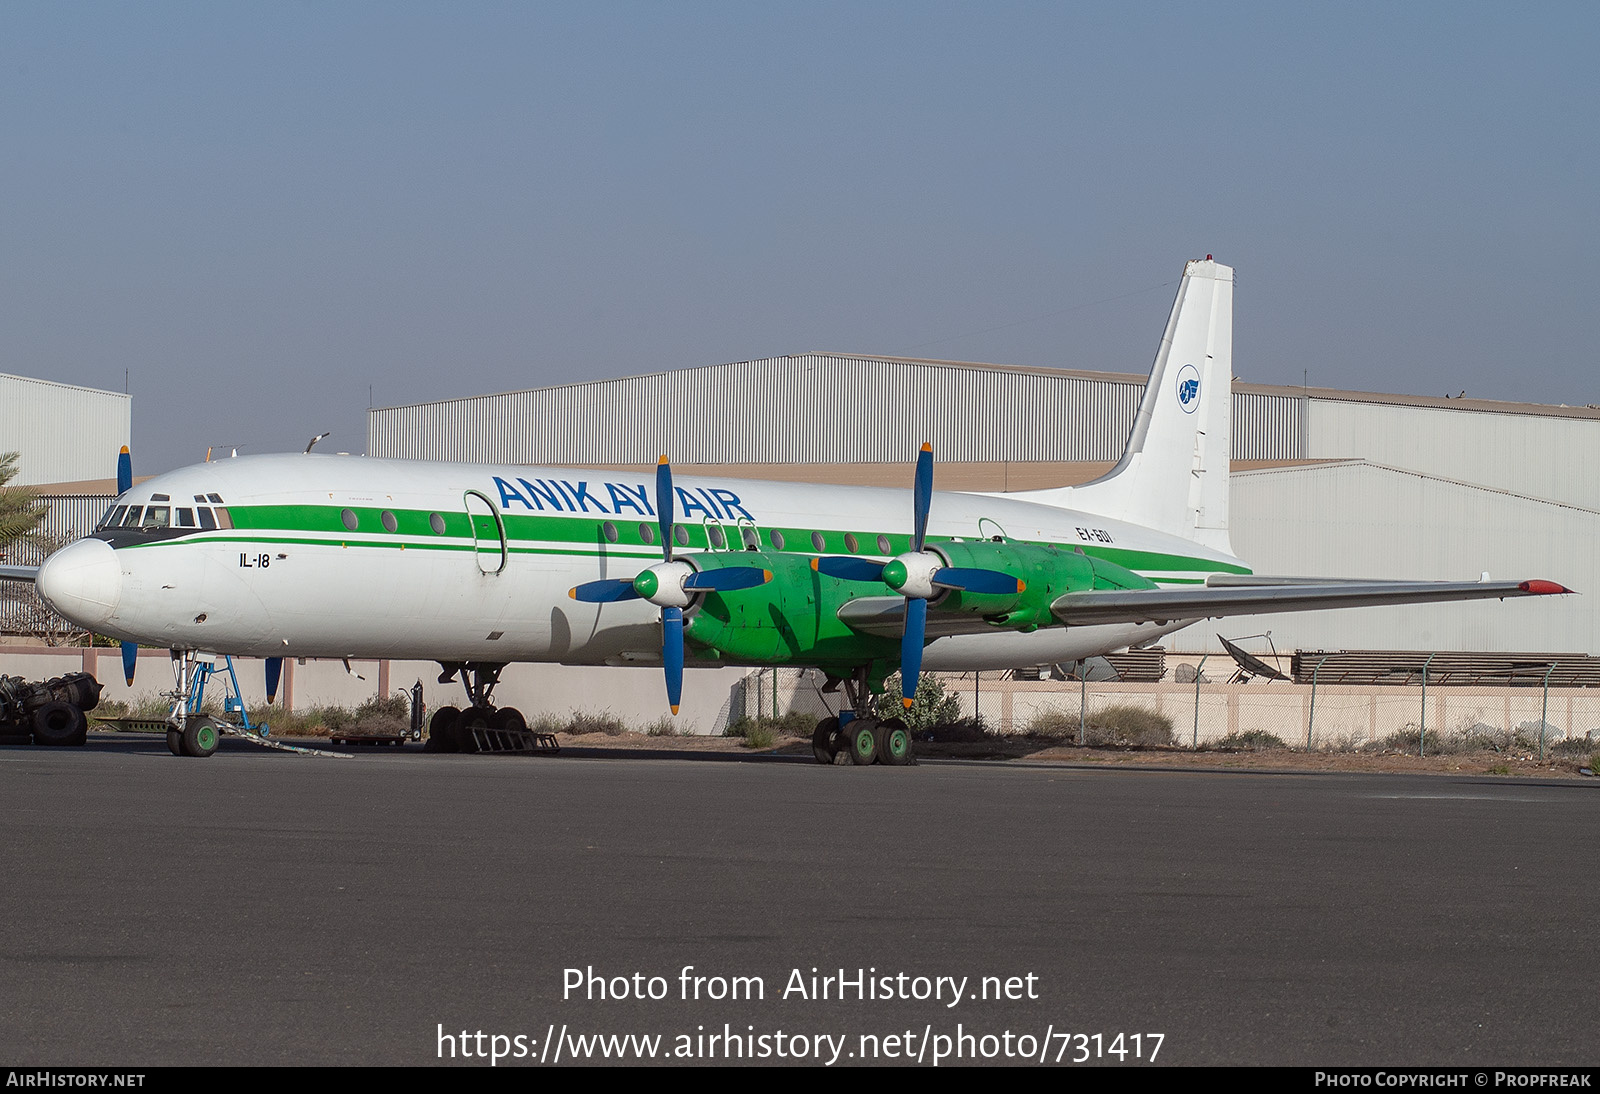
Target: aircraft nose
[(82, 581)]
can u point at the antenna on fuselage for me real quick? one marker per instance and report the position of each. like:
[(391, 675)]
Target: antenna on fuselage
[(317, 438)]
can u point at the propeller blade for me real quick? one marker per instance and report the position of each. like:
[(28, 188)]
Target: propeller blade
[(604, 591), (124, 472), (848, 567), (274, 668), (978, 581), (130, 660), (672, 654), (664, 506), (911, 648), (922, 496), (728, 578)]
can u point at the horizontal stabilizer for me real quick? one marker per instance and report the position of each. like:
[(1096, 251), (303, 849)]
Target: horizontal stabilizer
[(18, 573), (1166, 605)]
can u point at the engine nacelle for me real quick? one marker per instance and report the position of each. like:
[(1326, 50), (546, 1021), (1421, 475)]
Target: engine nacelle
[(1046, 570)]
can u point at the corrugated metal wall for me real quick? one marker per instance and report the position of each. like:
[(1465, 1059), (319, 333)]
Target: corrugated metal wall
[(809, 409), (1360, 520), (64, 433), (69, 518)]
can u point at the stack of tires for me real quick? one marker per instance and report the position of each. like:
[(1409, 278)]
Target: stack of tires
[(54, 712)]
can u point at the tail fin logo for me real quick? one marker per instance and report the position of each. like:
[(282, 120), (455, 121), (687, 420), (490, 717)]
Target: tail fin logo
[(1188, 388)]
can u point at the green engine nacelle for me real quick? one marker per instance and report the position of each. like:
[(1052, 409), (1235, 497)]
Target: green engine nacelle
[(792, 618), (1047, 572)]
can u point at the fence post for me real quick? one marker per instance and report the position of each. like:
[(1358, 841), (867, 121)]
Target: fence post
[(1422, 724), (1197, 675), (1311, 715), (1083, 703), (1544, 710)]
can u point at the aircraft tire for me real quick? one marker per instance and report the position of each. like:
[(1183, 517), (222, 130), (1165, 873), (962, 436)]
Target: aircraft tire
[(60, 725), (863, 738), (476, 718), (442, 731), (894, 743), (174, 742), (201, 738), (509, 719), (824, 740)]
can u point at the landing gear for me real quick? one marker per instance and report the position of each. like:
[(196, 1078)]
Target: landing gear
[(458, 730), (200, 737), (861, 735)]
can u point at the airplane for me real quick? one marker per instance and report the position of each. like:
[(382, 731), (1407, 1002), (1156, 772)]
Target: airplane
[(478, 566)]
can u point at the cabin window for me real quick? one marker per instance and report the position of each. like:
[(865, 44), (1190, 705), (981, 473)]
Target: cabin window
[(351, 521), (883, 545), (777, 539), (223, 520), (436, 522), (647, 534), (715, 535), (680, 535), (817, 542), (389, 523), (851, 543), (208, 523), (185, 518), (609, 530)]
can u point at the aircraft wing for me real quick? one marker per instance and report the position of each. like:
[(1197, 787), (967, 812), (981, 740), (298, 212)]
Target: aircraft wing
[(1249, 595), (885, 616), (18, 573)]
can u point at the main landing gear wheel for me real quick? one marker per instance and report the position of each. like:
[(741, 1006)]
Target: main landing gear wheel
[(476, 718), (509, 719), (200, 738), (894, 743), (825, 740), (174, 742), (863, 738), (442, 731), (60, 724)]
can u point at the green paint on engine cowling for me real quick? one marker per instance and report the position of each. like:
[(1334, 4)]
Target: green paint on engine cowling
[(1047, 571), (791, 619)]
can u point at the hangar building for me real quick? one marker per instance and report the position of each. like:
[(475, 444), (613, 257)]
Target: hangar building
[(1325, 483)]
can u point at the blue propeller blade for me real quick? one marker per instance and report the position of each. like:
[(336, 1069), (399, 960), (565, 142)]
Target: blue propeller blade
[(922, 495), (664, 506), (274, 674), (124, 472), (672, 654), (729, 578), (849, 568), (977, 581), (130, 659), (606, 591), (911, 647)]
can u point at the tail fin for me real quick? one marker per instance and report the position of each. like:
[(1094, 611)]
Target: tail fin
[(1173, 475)]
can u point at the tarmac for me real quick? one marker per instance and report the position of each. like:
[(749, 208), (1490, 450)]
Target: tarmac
[(267, 908)]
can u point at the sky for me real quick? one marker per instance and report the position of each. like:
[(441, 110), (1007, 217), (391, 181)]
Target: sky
[(270, 216)]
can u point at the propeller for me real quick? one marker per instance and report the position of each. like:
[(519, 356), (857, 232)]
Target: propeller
[(130, 650), (274, 668), (671, 585), (919, 576)]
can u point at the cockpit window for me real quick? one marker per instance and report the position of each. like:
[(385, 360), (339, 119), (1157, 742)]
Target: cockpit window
[(132, 519), (185, 518), (157, 516), (215, 499), (114, 518), (223, 520), (208, 522)]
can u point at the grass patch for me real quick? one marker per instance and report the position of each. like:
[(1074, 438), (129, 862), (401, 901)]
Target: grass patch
[(764, 731), (1118, 725), (1252, 740)]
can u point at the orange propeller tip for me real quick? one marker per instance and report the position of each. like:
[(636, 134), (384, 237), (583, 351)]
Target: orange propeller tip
[(124, 450), (814, 563), (926, 447), (572, 593), (766, 575), (906, 701), (674, 711), (1022, 586), (662, 460)]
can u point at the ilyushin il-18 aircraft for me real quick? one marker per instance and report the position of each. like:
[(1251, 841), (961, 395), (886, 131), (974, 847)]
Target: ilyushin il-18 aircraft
[(478, 566)]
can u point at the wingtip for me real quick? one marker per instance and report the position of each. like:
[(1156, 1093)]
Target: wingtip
[(1543, 588)]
